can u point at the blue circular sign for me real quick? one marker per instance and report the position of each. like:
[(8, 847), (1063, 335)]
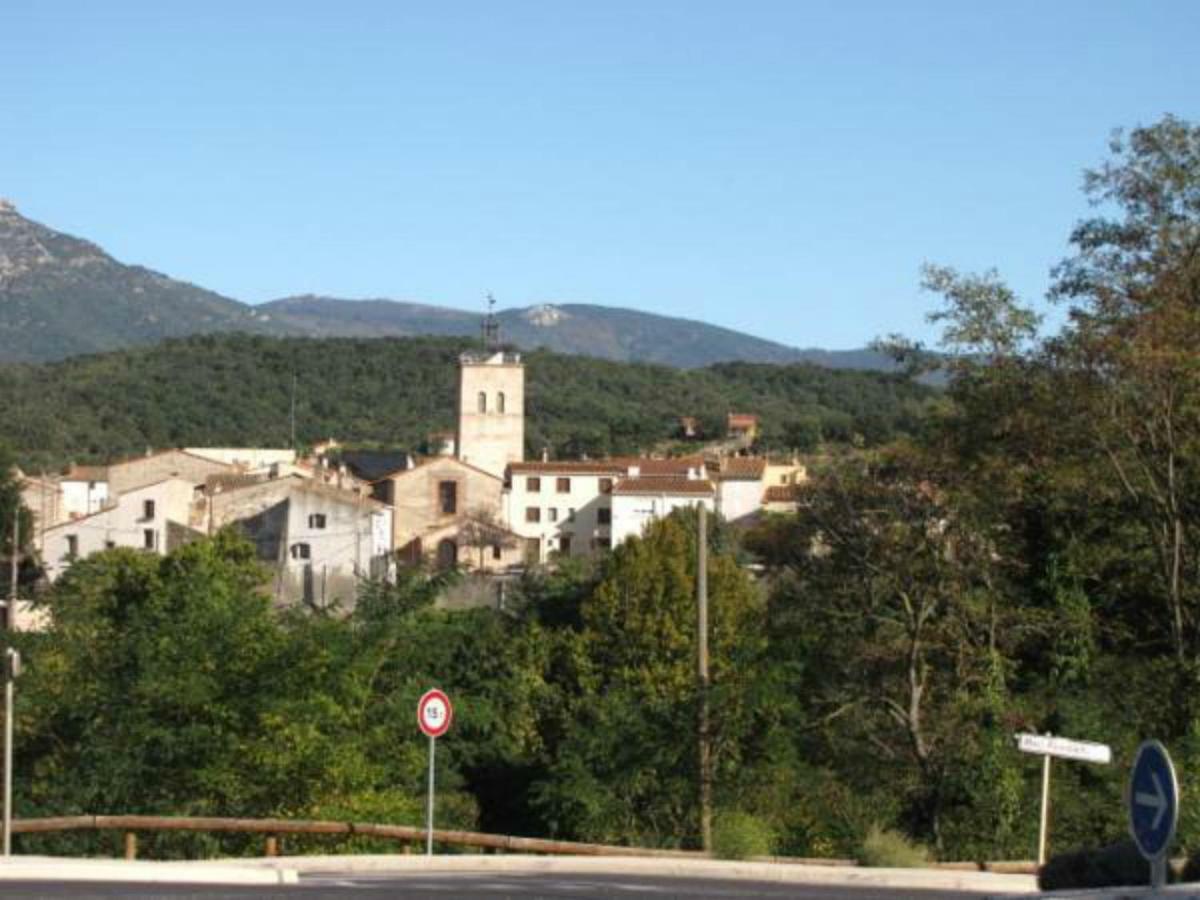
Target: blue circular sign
[(1153, 799)]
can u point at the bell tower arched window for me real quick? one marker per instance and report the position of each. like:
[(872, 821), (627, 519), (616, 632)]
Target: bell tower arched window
[(482, 401), (500, 402)]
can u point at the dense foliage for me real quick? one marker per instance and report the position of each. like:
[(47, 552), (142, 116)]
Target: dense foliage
[(236, 390)]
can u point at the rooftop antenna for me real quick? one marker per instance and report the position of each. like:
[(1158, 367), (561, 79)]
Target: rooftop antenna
[(491, 328), (293, 416)]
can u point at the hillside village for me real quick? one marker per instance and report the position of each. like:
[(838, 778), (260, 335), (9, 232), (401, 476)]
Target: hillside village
[(325, 520)]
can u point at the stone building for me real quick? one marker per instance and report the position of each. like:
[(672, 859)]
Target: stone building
[(491, 410)]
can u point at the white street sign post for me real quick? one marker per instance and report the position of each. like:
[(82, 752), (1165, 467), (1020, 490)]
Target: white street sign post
[(1046, 746), (12, 668), (434, 714)]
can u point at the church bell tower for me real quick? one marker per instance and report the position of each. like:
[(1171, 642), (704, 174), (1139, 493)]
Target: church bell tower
[(491, 403)]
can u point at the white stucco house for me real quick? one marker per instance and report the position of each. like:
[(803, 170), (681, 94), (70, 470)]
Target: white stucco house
[(84, 490), (636, 502), (142, 519), (320, 540)]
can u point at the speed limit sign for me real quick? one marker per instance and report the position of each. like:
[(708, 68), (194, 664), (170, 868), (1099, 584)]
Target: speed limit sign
[(434, 713)]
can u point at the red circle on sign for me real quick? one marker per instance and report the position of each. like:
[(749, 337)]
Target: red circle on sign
[(434, 713)]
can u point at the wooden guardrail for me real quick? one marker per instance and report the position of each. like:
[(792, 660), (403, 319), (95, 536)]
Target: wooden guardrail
[(407, 835), (274, 828)]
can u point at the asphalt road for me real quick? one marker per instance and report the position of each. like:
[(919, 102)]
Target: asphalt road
[(476, 887)]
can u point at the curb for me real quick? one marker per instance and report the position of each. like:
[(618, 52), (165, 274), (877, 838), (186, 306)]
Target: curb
[(674, 868), (51, 868)]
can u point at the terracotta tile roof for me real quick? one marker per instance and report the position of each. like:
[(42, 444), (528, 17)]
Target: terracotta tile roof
[(568, 467), (783, 493), (134, 460), (663, 485), (649, 467), (215, 484), (742, 420), (742, 468), (87, 473)]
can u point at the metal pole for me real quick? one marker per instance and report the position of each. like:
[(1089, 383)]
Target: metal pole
[(429, 802), (1045, 809), (702, 672), (8, 748), (1158, 871), (10, 614)]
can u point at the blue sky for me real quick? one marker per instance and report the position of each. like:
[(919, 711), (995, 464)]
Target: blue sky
[(782, 168)]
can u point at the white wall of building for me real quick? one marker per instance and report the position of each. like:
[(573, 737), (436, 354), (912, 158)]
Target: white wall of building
[(737, 498), (82, 498), (138, 519), (576, 513), (631, 513)]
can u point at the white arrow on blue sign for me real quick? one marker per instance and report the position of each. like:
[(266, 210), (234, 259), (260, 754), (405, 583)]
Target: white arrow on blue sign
[(1153, 799)]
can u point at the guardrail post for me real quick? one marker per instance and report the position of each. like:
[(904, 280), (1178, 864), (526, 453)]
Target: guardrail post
[(130, 845), (272, 845)]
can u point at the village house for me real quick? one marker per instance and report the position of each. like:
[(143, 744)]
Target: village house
[(437, 506), (742, 428), (739, 483), (84, 490), (137, 471), (43, 497), (153, 517), (782, 498), (567, 506), (561, 506), (320, 540), (637, 501)]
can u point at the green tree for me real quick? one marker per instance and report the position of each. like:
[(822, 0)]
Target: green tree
[(895, 619), (625, 769), (1133, 286), (167, 685)]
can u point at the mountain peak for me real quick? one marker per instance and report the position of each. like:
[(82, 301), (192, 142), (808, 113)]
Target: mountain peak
[(7, 206)]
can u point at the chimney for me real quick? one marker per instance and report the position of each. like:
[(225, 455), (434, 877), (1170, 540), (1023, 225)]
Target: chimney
[(545, 454)]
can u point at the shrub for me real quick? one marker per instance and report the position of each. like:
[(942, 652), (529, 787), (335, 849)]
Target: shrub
[(739, 835), (1117, 865), (1191, 868), (883, 847)]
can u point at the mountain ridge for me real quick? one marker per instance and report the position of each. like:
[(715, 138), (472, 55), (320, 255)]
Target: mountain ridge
[(608, 332), (62, 296)]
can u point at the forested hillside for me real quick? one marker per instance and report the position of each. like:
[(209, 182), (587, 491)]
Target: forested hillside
[(221, 390)]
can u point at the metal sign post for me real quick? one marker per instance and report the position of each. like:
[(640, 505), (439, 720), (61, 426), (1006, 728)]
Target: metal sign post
[(434, 714), (1046, 746), (429, 800), (1153, 800), (12, 668)]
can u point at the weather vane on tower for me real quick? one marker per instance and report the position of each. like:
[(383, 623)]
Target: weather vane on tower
[(491, 328)]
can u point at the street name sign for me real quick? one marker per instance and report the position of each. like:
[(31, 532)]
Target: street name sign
[(1048, 745), (1153, 798)]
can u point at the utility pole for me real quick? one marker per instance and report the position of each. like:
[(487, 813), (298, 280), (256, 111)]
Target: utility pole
[(293, 417), (702, 672), (10, 615)]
